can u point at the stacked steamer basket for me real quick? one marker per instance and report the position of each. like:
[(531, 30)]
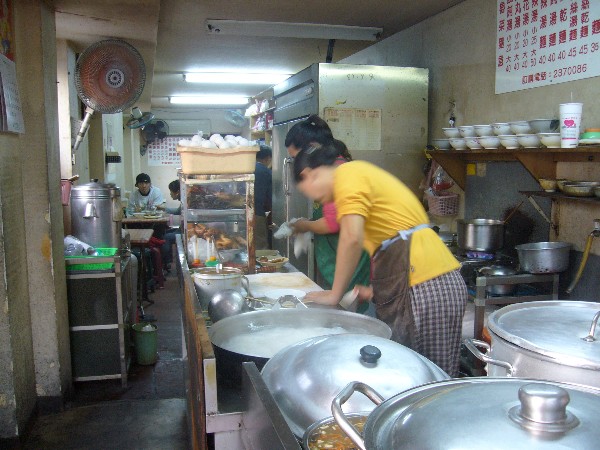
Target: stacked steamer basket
[(217, 192)]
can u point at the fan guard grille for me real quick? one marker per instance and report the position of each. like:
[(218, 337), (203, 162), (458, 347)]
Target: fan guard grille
[(110, 76)]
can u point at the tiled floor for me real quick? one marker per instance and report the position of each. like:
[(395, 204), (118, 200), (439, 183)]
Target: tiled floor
[(148, 414)]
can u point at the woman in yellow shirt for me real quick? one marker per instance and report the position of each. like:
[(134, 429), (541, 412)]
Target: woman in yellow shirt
[(416, 285)]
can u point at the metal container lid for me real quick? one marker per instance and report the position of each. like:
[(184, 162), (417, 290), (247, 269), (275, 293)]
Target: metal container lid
[(305, 377), (555, 329), (478, 413), (212, 273), (95, 189)]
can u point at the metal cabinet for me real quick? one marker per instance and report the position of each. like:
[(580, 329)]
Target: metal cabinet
[(219, 209), (101, 309)]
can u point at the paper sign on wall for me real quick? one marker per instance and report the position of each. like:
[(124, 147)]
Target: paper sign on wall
[(544, 42), (11, 115), (359, 129), (164, 152)]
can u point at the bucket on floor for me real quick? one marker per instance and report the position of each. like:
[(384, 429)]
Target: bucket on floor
[(144, 341)]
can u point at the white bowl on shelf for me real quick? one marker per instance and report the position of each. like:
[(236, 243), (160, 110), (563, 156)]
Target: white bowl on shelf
[(473, 143), (509, 141), (501, 128), (483, 130), (458, 143), (520, 127), (442, 144), (467, 130), (489, 142), (529, 140), (451, 132), (550, 140), (544, 125)]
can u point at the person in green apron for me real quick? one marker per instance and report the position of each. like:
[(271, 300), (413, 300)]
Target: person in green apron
[(324, 226), (416, 284)]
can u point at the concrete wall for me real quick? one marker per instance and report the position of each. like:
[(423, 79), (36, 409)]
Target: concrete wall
[(34, 336), (458, 48)]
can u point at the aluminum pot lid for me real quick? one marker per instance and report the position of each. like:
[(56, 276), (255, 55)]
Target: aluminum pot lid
[(487, 413), (305, 377), (96, 189), (555, 329)]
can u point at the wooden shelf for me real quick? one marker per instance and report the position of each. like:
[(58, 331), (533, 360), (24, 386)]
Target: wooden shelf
[(539, 162), (272, 108)]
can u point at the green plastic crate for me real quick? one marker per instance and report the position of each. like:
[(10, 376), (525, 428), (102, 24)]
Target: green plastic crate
[(102, 253)]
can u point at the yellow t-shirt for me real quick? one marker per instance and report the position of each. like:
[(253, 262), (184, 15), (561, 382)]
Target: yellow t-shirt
[(389, 206)]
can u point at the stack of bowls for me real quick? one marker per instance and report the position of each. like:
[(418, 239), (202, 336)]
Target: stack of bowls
[(467, 131), (509, 141), (550, 140), (441, 144), (490, 142), (501, 128), (458, 143), (528, 140), (473, 143), (520, 127), (451, 132)]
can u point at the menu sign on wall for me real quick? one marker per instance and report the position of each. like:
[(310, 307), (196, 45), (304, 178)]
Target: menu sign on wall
[(543, 42), (163, 152)]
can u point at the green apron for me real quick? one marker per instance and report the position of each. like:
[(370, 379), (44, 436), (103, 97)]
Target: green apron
[(325, 252)]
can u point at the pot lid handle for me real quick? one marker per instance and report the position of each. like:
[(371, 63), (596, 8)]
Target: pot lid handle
[(370, 354), (543, 408), (590, 337)]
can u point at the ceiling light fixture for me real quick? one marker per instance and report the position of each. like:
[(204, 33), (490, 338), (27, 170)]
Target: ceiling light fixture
[(293, 30), (209, 100), (235, 78)]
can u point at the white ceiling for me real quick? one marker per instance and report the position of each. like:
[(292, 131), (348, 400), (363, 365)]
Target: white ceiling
[(172, 37)]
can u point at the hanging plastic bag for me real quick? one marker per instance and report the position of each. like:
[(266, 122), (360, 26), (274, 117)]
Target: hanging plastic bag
[(441, 181)]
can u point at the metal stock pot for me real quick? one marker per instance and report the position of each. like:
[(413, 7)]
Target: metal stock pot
[(478, 413), (550, 340), (481, 235), (305, 377)]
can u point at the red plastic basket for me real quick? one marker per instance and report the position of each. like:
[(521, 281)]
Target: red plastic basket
[(443, 204)]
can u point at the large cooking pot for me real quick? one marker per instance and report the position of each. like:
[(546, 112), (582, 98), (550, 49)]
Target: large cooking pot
[(544, 257), (305, 377), (257, 336), (547, 340), (211, 280), (478, 413), (480, 235), (96, 214)]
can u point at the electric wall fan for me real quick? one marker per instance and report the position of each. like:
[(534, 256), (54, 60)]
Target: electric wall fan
[(109, 77), (155, 130)]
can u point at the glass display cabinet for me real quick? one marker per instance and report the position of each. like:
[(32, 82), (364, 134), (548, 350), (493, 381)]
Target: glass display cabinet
[(218, 220)]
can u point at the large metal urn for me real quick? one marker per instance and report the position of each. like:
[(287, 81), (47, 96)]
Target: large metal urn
[(96, 214)]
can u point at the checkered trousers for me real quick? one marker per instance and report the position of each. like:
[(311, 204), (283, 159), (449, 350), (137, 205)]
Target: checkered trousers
[(438, 307)]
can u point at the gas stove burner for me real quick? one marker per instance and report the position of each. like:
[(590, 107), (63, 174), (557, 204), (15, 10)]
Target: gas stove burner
[(480, 255)]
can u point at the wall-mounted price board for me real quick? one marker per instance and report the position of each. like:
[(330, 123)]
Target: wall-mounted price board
[(544, 42)]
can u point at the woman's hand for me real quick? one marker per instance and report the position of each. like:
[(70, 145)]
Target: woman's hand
[(300, 226), (364, 293), (322, 297)]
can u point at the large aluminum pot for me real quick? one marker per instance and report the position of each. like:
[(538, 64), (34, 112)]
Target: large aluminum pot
[(211, 280), (478, 413), (96, 214), (544, 257), (305, 377), (548, 340), (257, 336), (480, 235)]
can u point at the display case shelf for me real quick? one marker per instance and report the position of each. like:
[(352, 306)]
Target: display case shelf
[(220, 208), (539, 162)]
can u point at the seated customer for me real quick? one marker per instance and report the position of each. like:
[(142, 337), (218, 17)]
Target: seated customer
[(146, 196), (170, 235)]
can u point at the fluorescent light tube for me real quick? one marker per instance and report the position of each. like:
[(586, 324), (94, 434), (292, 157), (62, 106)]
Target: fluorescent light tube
[(293, 30), (209, 100), (235, 78)]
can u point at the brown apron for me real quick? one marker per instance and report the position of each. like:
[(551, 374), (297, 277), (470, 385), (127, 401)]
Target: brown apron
[(391, 291)]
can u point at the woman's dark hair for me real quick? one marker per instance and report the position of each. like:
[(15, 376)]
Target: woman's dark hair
[(314, 157), (313, 129), (174, 186), (342, 149)]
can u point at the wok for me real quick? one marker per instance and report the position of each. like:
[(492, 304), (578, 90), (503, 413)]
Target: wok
[(235, 338)]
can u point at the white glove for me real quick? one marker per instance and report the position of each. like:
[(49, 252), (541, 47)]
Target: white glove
[(301, 243)]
